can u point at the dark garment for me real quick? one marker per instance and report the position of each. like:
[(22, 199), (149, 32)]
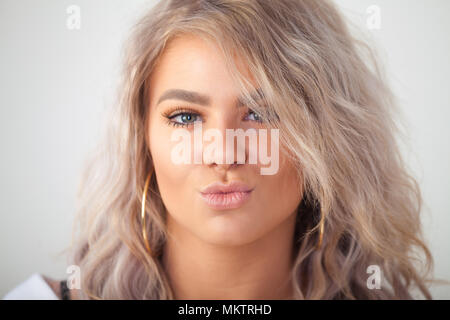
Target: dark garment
[(65, 292)]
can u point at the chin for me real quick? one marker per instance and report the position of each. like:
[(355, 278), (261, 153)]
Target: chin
[(229, 233)]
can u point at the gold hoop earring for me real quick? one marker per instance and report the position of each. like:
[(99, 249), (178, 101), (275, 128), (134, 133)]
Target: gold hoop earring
[(321, 227), (144, 196)]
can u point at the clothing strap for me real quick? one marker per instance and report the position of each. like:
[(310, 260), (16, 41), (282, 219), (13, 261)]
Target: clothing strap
[(65, 292)]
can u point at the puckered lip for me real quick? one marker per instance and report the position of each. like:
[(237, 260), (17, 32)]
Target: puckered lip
[(218, 187)]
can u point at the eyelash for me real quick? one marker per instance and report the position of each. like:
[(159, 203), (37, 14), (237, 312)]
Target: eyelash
[(186, 110)]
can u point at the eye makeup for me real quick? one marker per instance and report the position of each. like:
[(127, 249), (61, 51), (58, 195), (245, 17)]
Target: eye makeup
[(189, 114)]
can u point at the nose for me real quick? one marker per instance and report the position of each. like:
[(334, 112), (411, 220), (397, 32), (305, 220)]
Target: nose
[(229, 154), (223, 168)]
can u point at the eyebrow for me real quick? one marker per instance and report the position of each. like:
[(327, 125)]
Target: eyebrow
[(202, 99)]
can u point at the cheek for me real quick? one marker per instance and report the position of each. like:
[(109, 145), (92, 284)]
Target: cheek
[(171, 178), (160, 150), (283, 190)]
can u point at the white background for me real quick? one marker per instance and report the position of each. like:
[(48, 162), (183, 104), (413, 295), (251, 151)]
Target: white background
[(55, 84)]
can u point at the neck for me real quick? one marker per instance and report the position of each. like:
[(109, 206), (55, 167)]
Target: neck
[(257, 270)]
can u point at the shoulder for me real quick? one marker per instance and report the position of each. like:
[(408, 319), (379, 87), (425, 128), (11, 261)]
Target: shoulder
[(56, 286), (40, 287), (35, 287)]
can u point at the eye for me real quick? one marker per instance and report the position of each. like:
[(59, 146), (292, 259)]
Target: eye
[(183, 118), (253, 116)]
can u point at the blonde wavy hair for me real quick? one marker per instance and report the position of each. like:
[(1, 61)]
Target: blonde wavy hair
[(326, 92)]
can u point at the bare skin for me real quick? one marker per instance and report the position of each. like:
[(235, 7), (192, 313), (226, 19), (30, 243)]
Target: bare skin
[(243, 253)]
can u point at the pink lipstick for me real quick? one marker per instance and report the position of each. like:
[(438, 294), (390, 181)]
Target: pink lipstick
[(221, 196)]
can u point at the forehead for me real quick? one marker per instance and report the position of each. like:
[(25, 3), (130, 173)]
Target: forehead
[(191, 53), (192, 63)]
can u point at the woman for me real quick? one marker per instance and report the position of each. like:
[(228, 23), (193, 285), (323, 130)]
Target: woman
[(340, 205)]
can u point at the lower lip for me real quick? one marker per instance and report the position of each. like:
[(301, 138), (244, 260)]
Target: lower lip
[(223, 201)]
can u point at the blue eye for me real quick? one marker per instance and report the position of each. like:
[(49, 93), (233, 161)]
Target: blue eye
[(185, 118), (256, 117), (181, 117)]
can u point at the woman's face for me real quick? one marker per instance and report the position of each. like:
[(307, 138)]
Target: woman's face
[(192, 64)]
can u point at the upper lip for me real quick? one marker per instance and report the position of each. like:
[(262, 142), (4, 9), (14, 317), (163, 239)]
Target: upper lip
[(218, 187)]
